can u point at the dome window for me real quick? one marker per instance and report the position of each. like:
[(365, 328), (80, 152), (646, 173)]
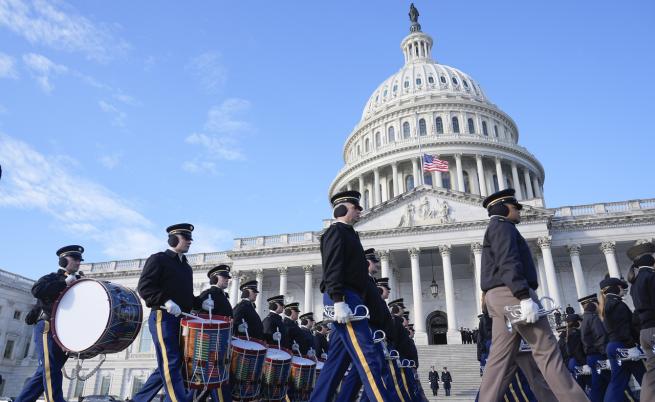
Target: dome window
[(455, 81), (367, 145), (391, 135), (378, 140), (406, 132), (439, 123), (406, 85), (443, 79), (395, 88), (418, 81), (377, 97), (455, 125), (484, 128), (422, 129), (466, 84), (445, 180), (359, 150), (385, 93), (430, 80), (496, 130), (409, 182), (471, 126)]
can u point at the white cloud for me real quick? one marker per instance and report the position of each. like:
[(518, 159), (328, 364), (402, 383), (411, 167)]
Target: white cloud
[(7, 66), (110, 161), (207, 239), (199, 166), (57, 25), (215, 146), (209, 70), (119, 116), (42, 68)]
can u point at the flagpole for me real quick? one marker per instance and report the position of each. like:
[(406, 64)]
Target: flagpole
[(420, 152)]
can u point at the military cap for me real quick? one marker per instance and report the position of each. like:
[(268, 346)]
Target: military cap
[(307, 316), (406, 314), (183, 229), (569, 310), (370, 255), (639, 250), (350, 196), (252, 285), (293, 306), (398, 302), (503, 196), (592, 298), (383, 282), (74, 251), (276, 299), (573, 318), (410, 326), (611, 281), (561, 328), (222, 270)]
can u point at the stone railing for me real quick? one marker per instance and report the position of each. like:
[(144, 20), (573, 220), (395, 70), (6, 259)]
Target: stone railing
[(281, 240), (605, 208), (15, 279), (136, 264)]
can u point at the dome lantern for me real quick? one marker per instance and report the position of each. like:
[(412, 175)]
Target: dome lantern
[(417, 46)]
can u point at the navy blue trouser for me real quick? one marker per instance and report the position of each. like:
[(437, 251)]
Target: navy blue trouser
[(617, 390), (598, 381), (351, 343), (155, 382), (408, 377), (48, 377)]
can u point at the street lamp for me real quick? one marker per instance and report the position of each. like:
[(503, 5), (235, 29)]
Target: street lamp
[(434, 288)]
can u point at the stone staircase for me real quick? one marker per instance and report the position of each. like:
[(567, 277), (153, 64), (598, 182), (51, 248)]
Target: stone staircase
[(463, 365)]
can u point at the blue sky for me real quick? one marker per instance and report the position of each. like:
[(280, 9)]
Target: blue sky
[(120, 118)]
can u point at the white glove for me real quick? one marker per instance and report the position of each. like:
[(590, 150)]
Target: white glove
[(208, 305), (529, 311), (634, 353), (342, 312), (586, 370), (70, 279), (172, 308)]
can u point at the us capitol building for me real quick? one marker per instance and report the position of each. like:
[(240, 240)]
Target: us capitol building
[(427, 228)]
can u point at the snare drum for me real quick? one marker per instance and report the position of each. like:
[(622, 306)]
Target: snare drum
[(319, 367), (246, 368), (275, 374), (303, 375), (205, 347), (93, 317)]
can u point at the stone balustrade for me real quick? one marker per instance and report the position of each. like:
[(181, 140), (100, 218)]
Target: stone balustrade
[(604, 208)]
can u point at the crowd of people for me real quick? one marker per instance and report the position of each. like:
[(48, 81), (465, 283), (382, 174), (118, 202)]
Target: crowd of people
[(469, 336)]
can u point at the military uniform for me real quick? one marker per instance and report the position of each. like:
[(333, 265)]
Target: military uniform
[(48, 375), (292, 330), (594, 342), (273, 323), (321, 345), (508, 276), (574, 347), (307, 338), (220, 298), (245, 311)]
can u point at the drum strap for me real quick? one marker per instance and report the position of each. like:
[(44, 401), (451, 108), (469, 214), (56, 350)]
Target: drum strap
[(362, 361), (46, 361), (164, 355)]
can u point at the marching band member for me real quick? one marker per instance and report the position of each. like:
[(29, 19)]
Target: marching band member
[(245, 311), (274, 323), (574, 347), (509, 278), (166, 285), (403, 344), (618, 320), (642, 277), (343, 286), (219, 278), (320, 339), (48, 375), (306, 326), (294, 334), (594, 341)]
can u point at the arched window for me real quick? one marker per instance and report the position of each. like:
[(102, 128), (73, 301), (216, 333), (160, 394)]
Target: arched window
[(439, 124), (367, 145), (422, 129), (409, 182), (406, 84), (496, 130), (391, 135), (427, 178), (366, 199), (418, 81), (385, 93), (378, 140), (406, 133), (430, 80), (495, 179), (359, 150), (445, 179), (455, 125), (466, 84), (443, 79), (467, 182), (395, 88), (455, 81), (484, 128), (471, 126), (390, 189)]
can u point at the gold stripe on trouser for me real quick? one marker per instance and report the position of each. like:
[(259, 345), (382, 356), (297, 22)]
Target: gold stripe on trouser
[(627, 395), (402, 374), (46, 362), (362, 361), (395, 381), (518, 381), (164, 356), (511, 390), (505, 396)]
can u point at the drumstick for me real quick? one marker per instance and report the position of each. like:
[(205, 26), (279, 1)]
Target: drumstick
[(186, 314)]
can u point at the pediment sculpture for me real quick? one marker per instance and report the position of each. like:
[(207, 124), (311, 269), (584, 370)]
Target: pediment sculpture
[(426, 214)]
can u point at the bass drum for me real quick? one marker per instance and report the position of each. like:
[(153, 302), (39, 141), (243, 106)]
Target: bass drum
[(95, 317)]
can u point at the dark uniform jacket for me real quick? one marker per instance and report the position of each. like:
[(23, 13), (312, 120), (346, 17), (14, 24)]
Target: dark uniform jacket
[(320, 344), (402, 342), (574, 346), (294, 334), (506, 259), (594, 336), (378, 310), (643, 296), (561, 345), (165, 277), (344, 263), (47, 289), (484, 334), (446, 378), (433, 377), (221, 303), (618, 321), (272, 324), (245, 310)]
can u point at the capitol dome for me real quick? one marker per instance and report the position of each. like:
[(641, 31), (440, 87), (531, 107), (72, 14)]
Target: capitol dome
[(427, 108)]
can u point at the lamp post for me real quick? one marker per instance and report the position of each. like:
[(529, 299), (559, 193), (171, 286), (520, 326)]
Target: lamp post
[(434, 288)]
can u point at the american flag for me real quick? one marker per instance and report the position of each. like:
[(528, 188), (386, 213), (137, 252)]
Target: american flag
[(432, 164)]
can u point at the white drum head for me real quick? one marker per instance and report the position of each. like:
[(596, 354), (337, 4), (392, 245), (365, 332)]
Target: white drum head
[(277, 354), (302, 361), (82, 315), (247, 345), (319, 365)]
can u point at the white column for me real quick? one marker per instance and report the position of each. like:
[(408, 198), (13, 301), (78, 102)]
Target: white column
[(394, 176), (377, 196), (528, 183), (415, 172), (476, 248), (419, 319), (517, 184), (234, 292), (393, 283), (260, 301), (283, 280), (481, 178), (535, 187), (544, 244), (384, 263), (578, 275), (460, 172), (309, 290), (499, 175), (360, 179), (608, 248), (543, 289), (453, 333)]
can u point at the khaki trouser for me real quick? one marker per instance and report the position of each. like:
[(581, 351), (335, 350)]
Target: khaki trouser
[(648, 382), (505, 345)]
